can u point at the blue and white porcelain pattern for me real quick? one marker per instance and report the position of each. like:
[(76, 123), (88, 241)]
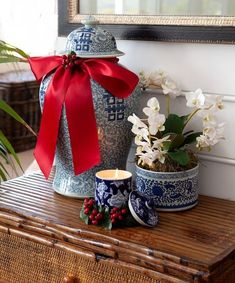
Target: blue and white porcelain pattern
[(111, 117), (90, 41), (114, 139), (171, 191), (142, 209), (110, 193)]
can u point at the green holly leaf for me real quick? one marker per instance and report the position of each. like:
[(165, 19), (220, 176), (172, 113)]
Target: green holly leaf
[(84, 216), (106, 223), (174, 124), (179, 156)]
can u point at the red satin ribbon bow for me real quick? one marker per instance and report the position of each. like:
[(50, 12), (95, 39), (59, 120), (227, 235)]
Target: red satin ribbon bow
[(71, 87)]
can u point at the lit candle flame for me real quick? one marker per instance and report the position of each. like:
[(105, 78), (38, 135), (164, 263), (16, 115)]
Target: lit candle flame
[(116, 174)]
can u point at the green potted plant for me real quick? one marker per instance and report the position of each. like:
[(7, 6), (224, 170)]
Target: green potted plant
[(9, 54), (166, 161)]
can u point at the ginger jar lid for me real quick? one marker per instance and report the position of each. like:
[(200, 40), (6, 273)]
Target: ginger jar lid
[(142, 209), (90, 41)]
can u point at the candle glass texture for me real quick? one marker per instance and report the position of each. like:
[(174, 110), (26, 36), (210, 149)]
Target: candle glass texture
[(112, 187)]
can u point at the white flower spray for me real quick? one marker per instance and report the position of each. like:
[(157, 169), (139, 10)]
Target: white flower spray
[(154, 141)]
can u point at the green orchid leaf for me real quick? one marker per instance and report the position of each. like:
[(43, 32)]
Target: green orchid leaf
[(191, 138), (179, 156), (188, 132), (5, 107), (176, 142), (174, 124), (9, 148), (184, 118), (166, 145)]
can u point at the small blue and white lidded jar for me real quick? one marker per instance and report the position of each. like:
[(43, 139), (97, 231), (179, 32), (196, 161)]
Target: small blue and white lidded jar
[(114, 131), (142, 209)]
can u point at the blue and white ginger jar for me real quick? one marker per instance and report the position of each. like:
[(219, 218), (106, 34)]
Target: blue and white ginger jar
[(114, 130)]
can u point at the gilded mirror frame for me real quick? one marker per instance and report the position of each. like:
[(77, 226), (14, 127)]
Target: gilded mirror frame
[(203, 29)]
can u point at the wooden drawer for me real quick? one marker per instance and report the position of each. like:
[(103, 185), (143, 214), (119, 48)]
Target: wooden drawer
[(24, 261)]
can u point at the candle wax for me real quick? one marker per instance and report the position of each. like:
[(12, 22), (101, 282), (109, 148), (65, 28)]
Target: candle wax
[(113, 174)]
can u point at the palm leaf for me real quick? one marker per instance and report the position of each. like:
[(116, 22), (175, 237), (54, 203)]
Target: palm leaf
[(10, 53), (4, 170), (5, 142), (2, 175), (9, 59), (5, 107), (4, 46), (8, 160)]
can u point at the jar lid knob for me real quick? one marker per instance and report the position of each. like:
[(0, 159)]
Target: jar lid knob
[(89, 21)]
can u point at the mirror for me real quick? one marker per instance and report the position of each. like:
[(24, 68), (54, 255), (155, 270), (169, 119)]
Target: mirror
[(162, 20), (157, 7)]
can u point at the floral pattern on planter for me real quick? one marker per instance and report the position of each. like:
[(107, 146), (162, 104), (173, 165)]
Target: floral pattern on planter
[(169, 190)]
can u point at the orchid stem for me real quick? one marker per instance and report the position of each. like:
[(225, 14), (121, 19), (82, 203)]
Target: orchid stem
[(191, 116), (168, 101)]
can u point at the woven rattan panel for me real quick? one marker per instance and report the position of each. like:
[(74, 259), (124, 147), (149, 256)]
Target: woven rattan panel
[(23, 261)]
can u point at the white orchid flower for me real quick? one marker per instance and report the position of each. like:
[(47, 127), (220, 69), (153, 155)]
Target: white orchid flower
[(170, 87), (156, 79), (153, 107), (136, 121), (149, 156), (143, 80), (158, 143), (142, 136), (160, 155), (214, 102), (195, 99), (146, 157), (202, 142), (209, 132), (138, 125), (156, 123), (211, 136), (208, 117)]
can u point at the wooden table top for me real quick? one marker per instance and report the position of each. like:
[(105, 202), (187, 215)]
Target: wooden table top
[(202, 236)]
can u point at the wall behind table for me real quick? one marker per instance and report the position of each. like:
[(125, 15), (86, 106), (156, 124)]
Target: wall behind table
[(32, 25), (206, 66), (29, 25)]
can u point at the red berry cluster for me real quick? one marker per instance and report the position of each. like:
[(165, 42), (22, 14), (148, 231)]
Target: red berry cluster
[(90, 209), (70, 60), (117, 214)]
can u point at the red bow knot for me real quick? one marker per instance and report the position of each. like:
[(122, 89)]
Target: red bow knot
[(70, 86)]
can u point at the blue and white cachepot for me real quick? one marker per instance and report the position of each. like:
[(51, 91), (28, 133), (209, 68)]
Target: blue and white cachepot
[(171, 191), (111, 113)]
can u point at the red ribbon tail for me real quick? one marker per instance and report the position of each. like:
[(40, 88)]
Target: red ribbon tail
[(47, 138), (82, 124)]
